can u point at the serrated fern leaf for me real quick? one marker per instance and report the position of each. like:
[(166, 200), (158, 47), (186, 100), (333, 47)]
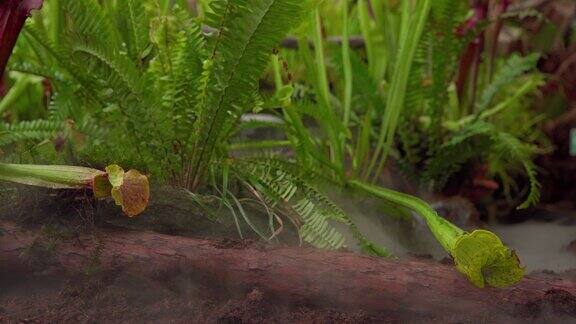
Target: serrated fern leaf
[(287, 191), (477, 140), (514, 67), (510, 148), (28, 130), (249, 29), (135, 29), (285, 186)]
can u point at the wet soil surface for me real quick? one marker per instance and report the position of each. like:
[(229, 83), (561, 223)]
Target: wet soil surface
[(122, 298), (116, 297)]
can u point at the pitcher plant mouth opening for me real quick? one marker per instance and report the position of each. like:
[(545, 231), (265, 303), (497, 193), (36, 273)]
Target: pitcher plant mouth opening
[(485, 260), (130, 190)]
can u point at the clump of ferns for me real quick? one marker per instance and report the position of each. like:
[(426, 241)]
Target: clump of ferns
[(148, 89), (444, 130), (164, 97), (493, 136)]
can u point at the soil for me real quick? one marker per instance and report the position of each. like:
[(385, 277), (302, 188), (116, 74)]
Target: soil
[(122, 298), (556, 301), (117, 297)]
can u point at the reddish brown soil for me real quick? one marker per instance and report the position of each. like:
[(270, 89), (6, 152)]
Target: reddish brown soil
[(149, 277), (122, 298)]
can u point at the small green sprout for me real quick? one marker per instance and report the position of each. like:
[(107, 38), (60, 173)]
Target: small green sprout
[(480, 255), (130, 190)]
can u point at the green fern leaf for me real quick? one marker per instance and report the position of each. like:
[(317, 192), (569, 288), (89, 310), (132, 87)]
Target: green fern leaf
[(249, 29), (514, 67)]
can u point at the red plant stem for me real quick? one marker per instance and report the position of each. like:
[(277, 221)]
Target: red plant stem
[(494, 31), (470, 60), (3, 86), (13, 14)]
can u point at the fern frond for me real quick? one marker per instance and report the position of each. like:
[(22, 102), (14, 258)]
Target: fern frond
[(28, 130), (470, 143), (444, 49), (52, 53), (91, 23), (287, 191), (285, 187), (514, 67), (124, 77), (135, 29), (187, 76), (249, 29), (95, 35), (510, 148), (476, 141)]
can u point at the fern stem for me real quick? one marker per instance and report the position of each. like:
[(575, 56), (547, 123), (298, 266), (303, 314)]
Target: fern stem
[(205, 155)]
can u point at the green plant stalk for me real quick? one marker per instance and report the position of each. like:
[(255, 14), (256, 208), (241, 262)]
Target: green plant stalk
[(395, 101), (405, 11), (165, 6), (362, 148), (295, 120), (379, 24), (347, 64), (277, 70), (444, 231), (306, 55), (365, 26), (55, 19), (479, 255), (15, 93), (453, 104), (385, 23), (50, 176), (323, 89), (379, 11), (322, 79)]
